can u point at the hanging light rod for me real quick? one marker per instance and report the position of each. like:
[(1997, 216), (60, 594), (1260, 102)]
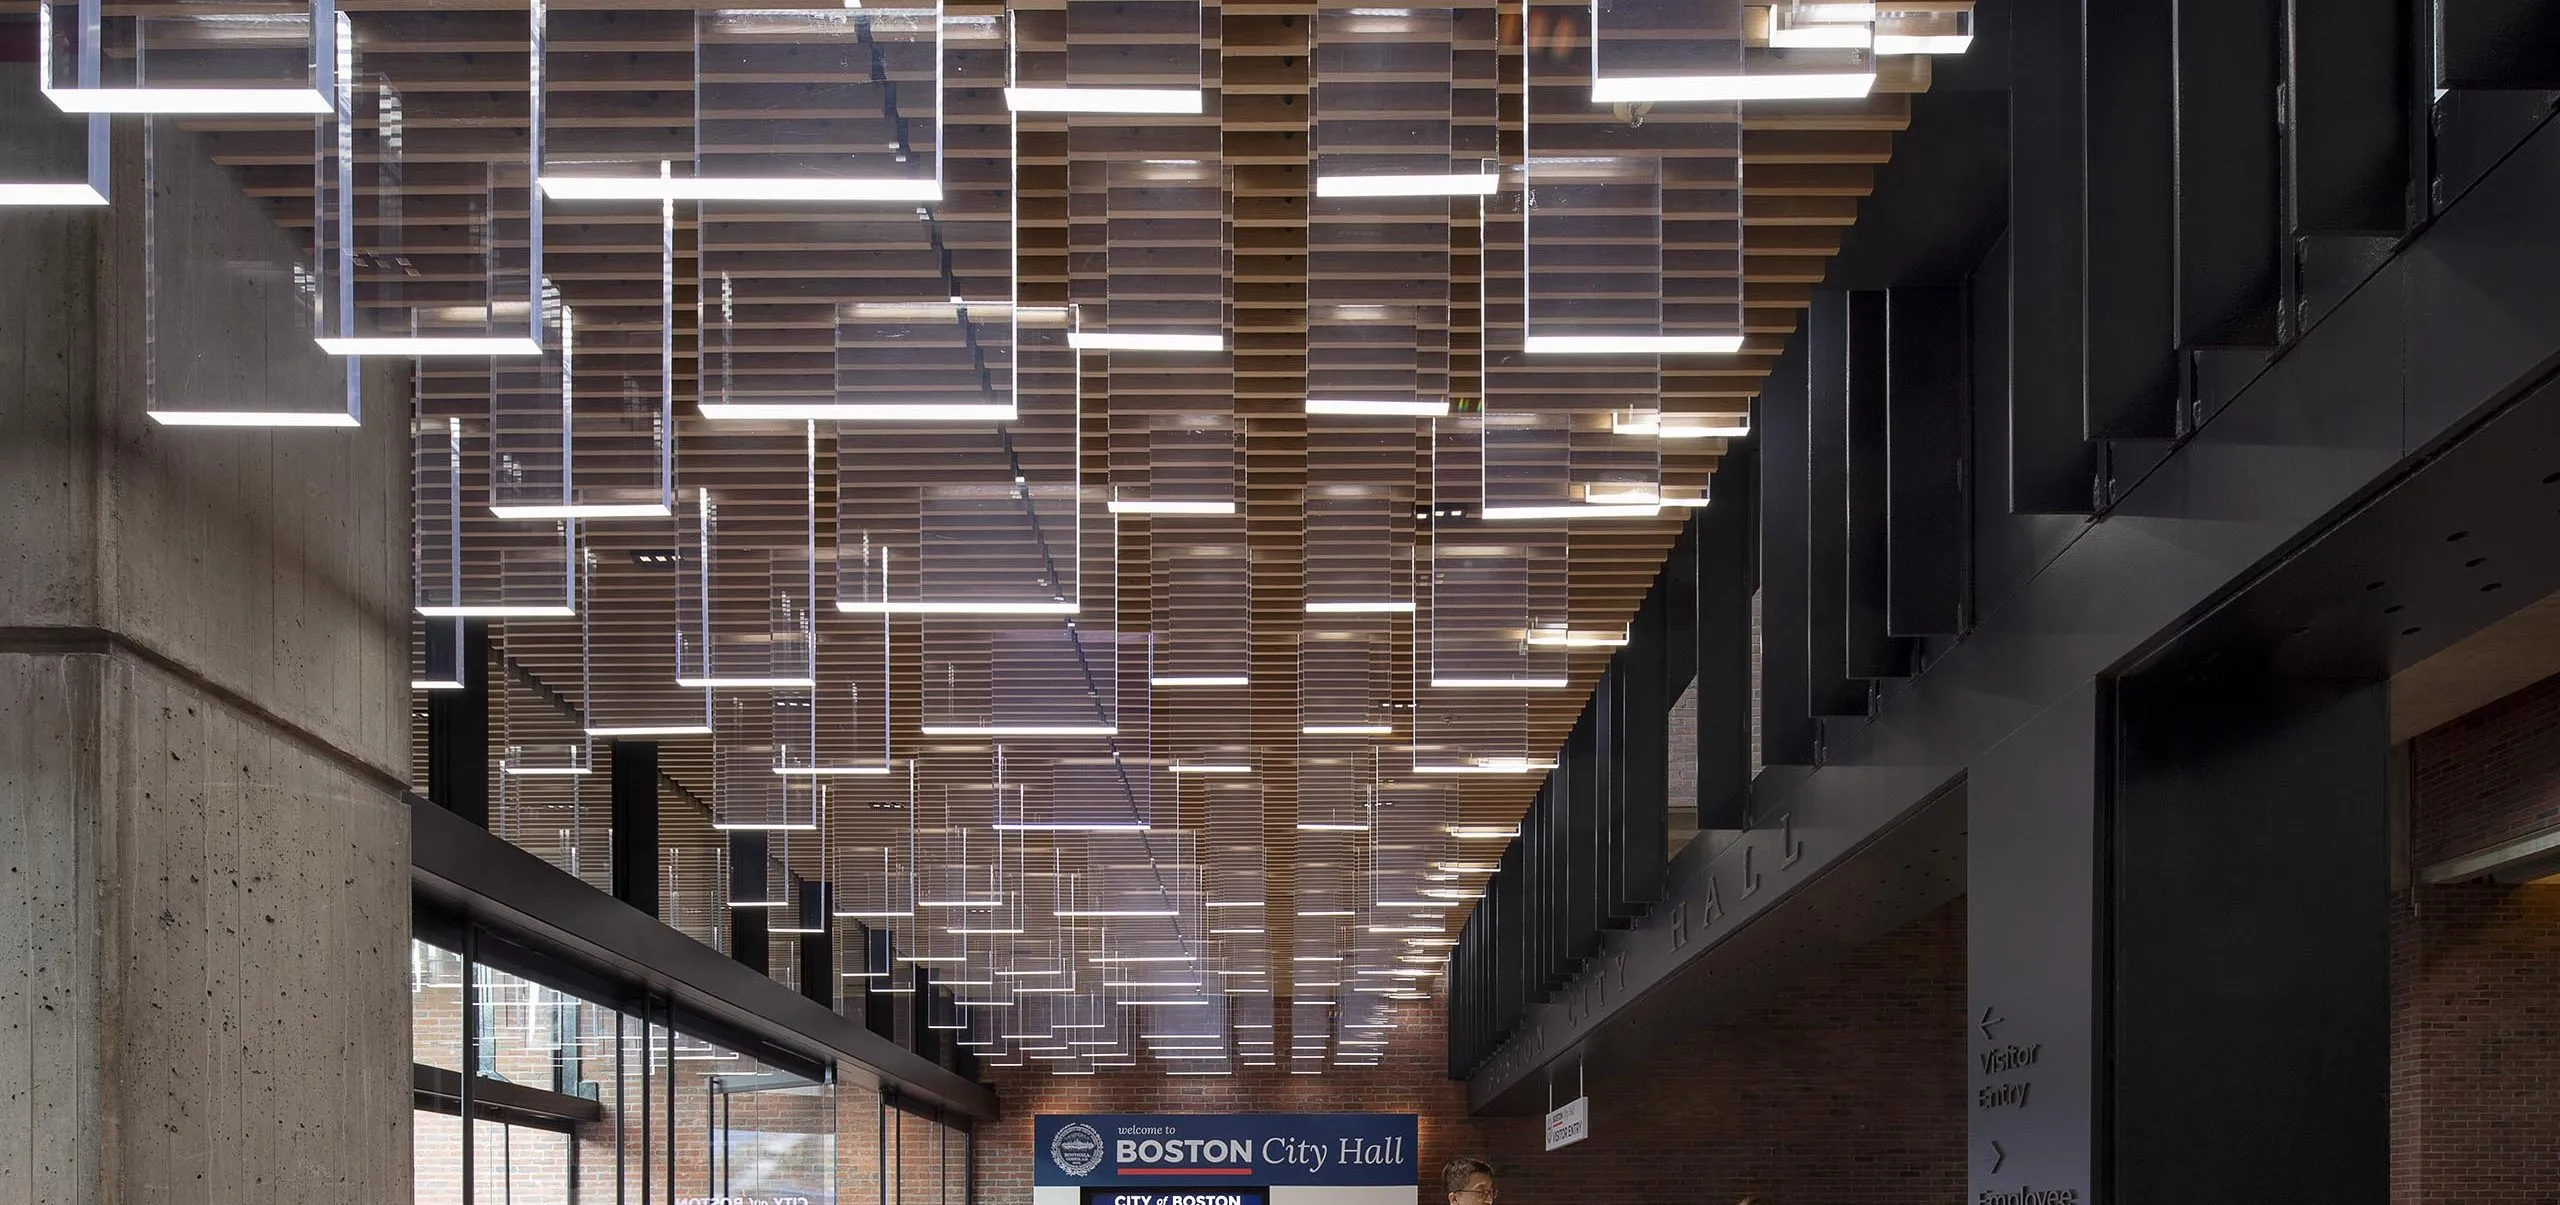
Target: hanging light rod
[(1362, 606), (653, 730)]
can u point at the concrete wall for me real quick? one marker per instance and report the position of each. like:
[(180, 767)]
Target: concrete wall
[(203, 853)]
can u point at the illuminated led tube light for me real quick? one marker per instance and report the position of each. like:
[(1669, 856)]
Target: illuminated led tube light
[(1082, 340), (492, 346), (1382, 606), (1170, 506), (1580, 510), (1378, 408), (1467, 184), (735, 188), (1104, 100), (1773, 86), (953, 606), (1639, 345), (253, 418), (841, 412)]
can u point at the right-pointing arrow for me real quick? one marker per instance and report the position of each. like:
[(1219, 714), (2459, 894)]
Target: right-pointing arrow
[(1998, 1156), (1988, 1020)]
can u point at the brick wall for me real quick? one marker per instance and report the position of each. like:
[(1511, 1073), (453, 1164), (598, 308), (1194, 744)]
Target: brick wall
[(2488, 778), (2475, 969), (1844, 1089)]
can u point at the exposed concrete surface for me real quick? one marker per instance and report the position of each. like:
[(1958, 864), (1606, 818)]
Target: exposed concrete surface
[(204, 895)]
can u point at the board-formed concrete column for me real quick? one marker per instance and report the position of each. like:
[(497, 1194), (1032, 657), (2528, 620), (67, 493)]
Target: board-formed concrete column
[(204, 895)]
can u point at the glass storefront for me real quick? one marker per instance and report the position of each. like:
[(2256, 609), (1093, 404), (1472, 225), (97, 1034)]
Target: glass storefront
[(581, 1101)]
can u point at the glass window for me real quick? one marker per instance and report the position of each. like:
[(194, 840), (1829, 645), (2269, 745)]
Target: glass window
[(577, 1102), (435, 1006)]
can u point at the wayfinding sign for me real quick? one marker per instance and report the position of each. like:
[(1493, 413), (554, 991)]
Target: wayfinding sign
[(1163, 1152)]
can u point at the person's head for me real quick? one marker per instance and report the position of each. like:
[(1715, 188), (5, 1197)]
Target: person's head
[(1469, 1181)]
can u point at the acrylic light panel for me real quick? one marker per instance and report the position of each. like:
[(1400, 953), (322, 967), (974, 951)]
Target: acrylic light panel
[(1670, 51), (996, 529), (587, 429), (1630, 226), (1383, 105), (199, 57), (1347, 674), (1121, 58), (1059, 787), (840, 727), (52, 158), (1202, 602), (429, 244), (745, 792), (789, 105), (865, 314), (211, 258), (1493, 583), (627, 677), (1159, 228), (745, 617), (511, 570), (549, 799)]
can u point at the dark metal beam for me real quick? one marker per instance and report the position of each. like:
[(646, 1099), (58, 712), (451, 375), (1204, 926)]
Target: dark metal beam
[(458, 724), (1927, 415), (2052, 466), (2457, 327), (635, 823), (483, 877)]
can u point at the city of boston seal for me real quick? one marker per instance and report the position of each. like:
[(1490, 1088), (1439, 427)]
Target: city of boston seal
[(1076, 1148)]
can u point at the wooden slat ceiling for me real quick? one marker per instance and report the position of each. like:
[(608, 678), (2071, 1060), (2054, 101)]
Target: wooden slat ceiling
[(623, 86)]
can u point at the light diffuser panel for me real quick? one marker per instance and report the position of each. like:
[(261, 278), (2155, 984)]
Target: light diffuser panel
[(818, 106), (214, 264), (51, 158), (994, 529), (744, 610), (1667, 51), (628, 678), (512, 570), (427, 248), (1121, 58), (189, 57), (1202, 599)]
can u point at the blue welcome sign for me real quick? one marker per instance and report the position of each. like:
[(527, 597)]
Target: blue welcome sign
[(1163, 1152)]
